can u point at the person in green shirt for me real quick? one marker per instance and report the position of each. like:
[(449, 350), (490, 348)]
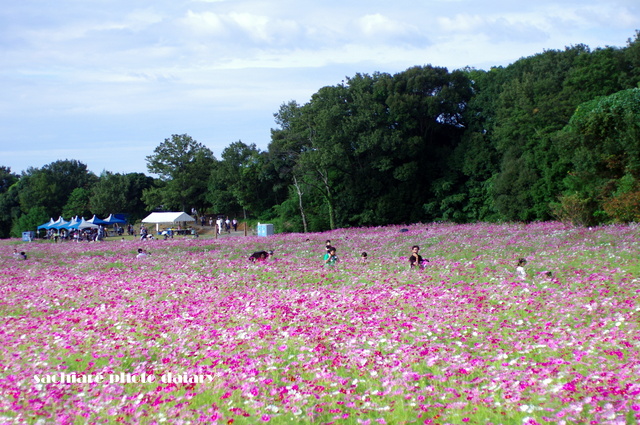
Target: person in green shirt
[(330, 258)]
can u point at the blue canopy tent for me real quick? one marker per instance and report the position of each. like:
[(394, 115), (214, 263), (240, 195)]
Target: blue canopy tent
[(113, 220), (96, 220), (52, 224), (60, 224), (47, 225), (71, 222)]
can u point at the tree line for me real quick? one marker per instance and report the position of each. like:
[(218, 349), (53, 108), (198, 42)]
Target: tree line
[(552, 136)]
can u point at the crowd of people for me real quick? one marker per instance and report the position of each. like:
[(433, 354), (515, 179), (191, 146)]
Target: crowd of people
[(221, 224), (78, 235)]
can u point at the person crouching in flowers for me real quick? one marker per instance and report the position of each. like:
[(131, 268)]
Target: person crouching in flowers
[(522, 274), (260, 256), (415, 260), (330, 258)]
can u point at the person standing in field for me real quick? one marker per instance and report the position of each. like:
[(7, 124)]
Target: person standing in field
[(219, 223)]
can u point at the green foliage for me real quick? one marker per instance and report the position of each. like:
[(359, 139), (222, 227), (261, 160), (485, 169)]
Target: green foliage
[(29, 221), (624, 208), (602, 141), (134, 186), (238, 182), (368, 148), (109, 194), (574, 209), (41, 193), (78, 204), (7, 179), (184, 166), (121, 193), (9, 205), (51, 186), (623, 205)]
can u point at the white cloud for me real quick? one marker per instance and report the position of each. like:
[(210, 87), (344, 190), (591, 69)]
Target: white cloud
[(205, 23), (238, 27), (380, 28)]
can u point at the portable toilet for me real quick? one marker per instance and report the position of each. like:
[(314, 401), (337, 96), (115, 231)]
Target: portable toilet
[(265, 229)]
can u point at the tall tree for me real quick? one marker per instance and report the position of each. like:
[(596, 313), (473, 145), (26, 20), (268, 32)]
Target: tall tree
[(183, 165), (9, 204), (51, 186), (287, 144), (78, 203), (604, 146), (120, 193), (109, 194), (235, 182), (29, 221)]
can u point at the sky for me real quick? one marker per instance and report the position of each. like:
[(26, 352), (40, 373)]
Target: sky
[(105, 82)]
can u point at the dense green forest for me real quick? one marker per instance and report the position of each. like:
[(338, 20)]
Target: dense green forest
[(552, 136)]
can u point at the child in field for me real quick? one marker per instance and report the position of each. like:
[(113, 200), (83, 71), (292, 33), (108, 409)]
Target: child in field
[(330, 258), (416, 260), (142, 253), (363, 257), (522, 274)]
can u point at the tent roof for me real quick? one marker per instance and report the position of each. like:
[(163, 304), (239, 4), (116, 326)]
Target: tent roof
[(96, 220), (167, 217), (83, 224), (60, 224), (53, 224), (113, 219), (47, 225)]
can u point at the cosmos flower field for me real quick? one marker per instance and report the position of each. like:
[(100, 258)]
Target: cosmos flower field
[(464, 341)]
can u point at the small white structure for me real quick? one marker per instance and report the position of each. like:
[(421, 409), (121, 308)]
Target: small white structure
[(167, 217)]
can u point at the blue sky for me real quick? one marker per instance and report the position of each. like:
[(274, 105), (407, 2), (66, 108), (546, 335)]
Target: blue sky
[(105, 82)]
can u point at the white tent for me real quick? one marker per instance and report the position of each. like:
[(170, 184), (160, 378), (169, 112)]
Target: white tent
[(167, 217)]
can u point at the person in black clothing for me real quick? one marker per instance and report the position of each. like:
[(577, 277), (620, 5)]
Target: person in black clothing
[(260, 256), (415, 260)]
